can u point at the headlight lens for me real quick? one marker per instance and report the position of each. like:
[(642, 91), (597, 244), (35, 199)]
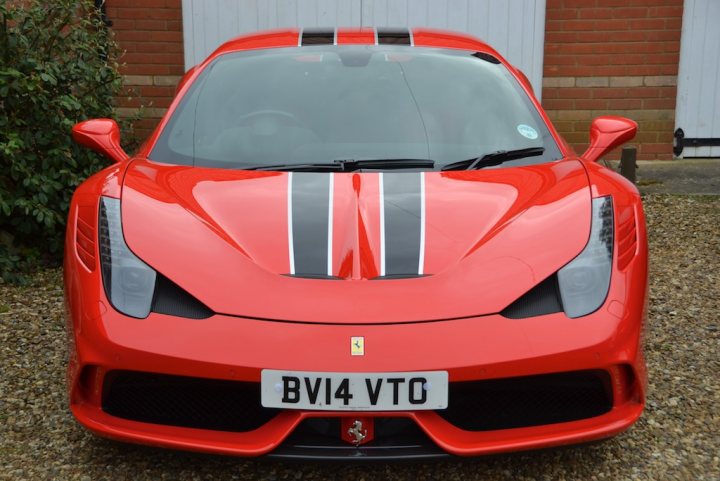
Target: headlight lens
[(129, 282), (585, 281)]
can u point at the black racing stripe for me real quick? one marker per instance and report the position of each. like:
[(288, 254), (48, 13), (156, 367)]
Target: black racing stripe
[(310, 203), (403, 210), (393, 36), (318, 36)]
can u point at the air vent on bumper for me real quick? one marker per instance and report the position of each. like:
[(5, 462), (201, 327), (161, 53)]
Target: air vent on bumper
[(528, 401), (173, 300), (182, 401), (542, 299)]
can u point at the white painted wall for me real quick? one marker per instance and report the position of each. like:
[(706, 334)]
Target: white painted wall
[(698, 99), (516, 28)]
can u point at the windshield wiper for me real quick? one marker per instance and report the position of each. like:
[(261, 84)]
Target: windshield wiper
[(494, 158), (351, 165)]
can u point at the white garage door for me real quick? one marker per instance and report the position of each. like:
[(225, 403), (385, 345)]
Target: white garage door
[(515, 28), (698, 101)]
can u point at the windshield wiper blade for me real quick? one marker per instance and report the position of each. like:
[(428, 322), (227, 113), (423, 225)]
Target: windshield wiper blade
[(351, 165), (298, 167), (494, 158)]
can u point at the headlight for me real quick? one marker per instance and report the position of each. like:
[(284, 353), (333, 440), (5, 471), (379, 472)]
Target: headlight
[(129, 282), (585, 281)]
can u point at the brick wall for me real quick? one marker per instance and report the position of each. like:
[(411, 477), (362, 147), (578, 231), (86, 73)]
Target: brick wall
[(150, 33), (616, 57)]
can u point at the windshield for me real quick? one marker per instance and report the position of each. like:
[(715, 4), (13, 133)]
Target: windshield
[(323, 104)]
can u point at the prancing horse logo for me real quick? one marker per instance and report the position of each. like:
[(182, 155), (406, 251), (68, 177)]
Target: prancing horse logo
[(357, 346), (357, 432)]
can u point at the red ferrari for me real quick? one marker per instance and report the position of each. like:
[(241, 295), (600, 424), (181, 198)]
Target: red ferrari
[(356, 243)]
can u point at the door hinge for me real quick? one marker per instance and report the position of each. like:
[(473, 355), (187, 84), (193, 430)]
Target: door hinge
[(681, 142)]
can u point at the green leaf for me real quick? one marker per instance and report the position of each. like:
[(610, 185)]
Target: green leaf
[(48, 78)]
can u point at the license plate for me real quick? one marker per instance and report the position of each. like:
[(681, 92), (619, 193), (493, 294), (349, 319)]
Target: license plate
[(333, 391)]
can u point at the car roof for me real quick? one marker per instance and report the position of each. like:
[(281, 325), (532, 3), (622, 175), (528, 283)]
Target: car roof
[(296, 37)]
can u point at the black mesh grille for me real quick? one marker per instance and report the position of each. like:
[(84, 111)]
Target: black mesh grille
[(528, 401), (542, 299), (172, 300), (185, 401)]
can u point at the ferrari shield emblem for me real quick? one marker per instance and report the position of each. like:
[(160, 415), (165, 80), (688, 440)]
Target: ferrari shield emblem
[(357, 346)]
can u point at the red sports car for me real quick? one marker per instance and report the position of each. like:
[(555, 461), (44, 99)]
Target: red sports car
[(359, 243)]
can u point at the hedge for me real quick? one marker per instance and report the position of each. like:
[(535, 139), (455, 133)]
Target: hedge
[(58, 66)]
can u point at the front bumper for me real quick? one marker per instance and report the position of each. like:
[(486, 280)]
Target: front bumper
[(231, 348)]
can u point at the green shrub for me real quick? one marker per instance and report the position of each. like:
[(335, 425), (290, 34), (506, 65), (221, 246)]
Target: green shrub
[(58, 66)]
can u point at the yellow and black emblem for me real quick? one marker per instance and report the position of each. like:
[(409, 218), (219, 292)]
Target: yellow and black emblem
[(357, 346)]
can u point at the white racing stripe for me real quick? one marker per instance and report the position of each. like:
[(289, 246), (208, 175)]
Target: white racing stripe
[(291, 249), (421, 262), (330, 228), (382, 219)]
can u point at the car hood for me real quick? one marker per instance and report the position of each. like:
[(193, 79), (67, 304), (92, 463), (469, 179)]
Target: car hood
[(356, 247)]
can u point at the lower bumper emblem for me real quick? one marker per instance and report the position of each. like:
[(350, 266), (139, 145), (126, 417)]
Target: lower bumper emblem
[(356, 432)]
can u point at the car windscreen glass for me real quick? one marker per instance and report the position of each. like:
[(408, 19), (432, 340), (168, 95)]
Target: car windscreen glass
[(322, 104)]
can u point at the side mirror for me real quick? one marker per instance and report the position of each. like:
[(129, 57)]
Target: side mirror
[(102, 136), (606, 133)]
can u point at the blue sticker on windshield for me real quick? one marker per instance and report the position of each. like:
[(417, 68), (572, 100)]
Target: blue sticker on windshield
[(527, 131)]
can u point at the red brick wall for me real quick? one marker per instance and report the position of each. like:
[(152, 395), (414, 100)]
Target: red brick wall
[(150, 33), (615, 57)]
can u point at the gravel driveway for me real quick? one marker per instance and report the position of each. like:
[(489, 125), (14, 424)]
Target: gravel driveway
[(678, 437)]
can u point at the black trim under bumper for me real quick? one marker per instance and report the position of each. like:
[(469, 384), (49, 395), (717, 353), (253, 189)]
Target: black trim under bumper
[(317, 439)]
